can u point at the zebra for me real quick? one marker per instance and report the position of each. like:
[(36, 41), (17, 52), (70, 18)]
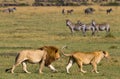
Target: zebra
[(101, 27), (73, 27), (9, 10), (80, 26), (87, 27), (108, 11)]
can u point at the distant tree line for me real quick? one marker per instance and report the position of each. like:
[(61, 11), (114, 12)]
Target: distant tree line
[(60, 2), (70, 2)]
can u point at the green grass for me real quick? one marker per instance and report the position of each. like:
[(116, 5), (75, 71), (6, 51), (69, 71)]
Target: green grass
[(33, 27)]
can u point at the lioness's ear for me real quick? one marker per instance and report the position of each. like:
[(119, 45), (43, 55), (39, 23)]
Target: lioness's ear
[(40, 48), (104, 52)]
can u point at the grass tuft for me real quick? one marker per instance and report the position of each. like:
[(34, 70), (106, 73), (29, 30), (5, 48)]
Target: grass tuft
[(110, 35)]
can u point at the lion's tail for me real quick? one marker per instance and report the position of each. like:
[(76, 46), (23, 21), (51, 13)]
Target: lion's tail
[(6, 70), (63, 51)]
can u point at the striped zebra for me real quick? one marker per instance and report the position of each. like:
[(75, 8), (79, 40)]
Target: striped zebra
[(80, 26), (88, 27), (101, 27), (73, 27)]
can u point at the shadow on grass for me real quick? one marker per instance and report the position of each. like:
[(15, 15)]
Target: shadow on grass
[(6, 54), (15, 47)]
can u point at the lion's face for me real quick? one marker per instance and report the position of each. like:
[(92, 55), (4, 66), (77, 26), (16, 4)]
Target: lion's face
[(52, 54), (57, 55)]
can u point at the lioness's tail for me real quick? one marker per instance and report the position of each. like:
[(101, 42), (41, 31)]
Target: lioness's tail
[(63, 52)]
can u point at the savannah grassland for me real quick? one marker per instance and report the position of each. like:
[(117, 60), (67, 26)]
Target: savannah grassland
[(33, 27)]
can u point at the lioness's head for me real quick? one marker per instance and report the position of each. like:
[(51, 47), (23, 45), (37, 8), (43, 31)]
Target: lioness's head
[(106, 54)]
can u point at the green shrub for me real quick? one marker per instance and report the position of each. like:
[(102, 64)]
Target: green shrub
[(23, 4), (111, 4)]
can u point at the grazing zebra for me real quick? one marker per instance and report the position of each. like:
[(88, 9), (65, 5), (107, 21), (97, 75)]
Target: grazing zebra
[(108, 11), (87, 27), (80, 26), (9, 10), (101, 27), (89, 10), (70, 11), (73, 27)]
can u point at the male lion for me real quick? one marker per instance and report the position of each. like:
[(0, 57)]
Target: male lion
[(44, 56), (81, 58)]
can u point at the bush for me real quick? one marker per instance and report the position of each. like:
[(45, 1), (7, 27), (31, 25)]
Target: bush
[(85, 3), (23, 4), (37, 4), (111, 4)]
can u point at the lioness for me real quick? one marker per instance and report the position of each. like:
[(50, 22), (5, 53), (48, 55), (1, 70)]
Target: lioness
[(44, 56), (81, 58)]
